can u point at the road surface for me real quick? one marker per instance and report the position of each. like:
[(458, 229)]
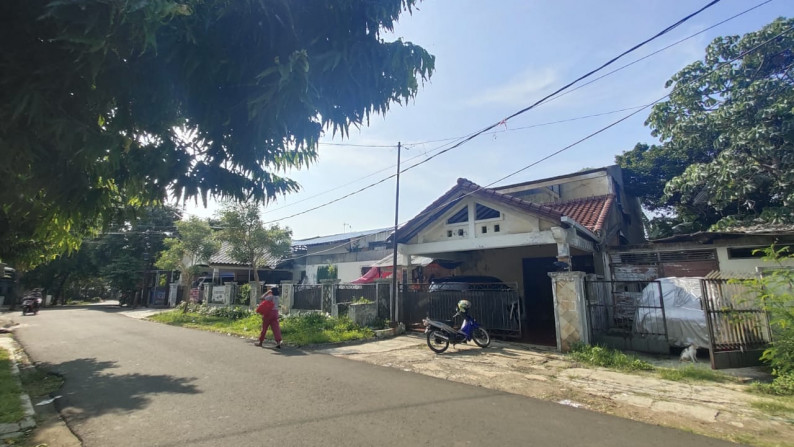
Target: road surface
[(131, 382)]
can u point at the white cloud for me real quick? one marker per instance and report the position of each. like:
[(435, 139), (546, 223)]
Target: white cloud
[(518, 90)]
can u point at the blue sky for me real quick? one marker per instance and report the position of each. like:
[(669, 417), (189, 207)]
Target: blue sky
[(493, 59)]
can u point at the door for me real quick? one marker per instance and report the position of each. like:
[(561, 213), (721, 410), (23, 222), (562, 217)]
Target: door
[(539, 301)]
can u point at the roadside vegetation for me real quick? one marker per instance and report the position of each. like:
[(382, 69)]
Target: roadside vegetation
[(302, 330), (10, 404), (608, 358)]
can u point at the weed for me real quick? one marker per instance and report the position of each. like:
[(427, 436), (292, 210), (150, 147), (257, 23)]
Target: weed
[(783, 385), (608, 358), (691, 373), (38, 382), (10, 403), (307, 329), (774, 408)]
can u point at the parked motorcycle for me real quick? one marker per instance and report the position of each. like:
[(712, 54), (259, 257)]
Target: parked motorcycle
[(441, 334)]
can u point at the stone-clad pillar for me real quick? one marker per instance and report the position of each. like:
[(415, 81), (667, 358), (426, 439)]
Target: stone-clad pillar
[(287, 297), (328, 303), (570, 309)]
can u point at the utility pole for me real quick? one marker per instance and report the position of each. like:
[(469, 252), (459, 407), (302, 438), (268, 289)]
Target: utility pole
[(395, 291)]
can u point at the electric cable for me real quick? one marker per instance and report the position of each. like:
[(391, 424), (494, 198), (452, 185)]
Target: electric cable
[(524, 110)]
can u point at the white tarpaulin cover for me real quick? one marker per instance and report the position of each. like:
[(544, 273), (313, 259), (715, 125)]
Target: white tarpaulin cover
[(686, 321)]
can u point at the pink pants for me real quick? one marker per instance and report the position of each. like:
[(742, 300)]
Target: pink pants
[(270, 320)]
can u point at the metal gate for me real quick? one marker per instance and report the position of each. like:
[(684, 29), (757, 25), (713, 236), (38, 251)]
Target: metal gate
[(623, 317), (739, 330), (307, 297), (499, 311)]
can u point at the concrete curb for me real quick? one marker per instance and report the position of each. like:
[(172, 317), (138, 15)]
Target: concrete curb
[(16, 429)]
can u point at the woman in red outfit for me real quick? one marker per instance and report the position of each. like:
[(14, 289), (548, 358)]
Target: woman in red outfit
[(269, 310)]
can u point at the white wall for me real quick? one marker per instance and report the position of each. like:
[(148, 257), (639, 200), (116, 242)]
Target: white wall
[(743, 265)]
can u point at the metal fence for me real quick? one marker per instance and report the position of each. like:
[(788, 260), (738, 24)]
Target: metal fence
[(627, 315), (307, 297), (739, 329), (499, 311)]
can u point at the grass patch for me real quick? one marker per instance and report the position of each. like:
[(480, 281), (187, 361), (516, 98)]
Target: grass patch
[(39, 383), (296, 330), (691, 373), (608, 358), (10, 403), (778, 407)]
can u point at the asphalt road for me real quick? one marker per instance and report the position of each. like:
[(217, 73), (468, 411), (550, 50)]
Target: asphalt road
[(137, 383)]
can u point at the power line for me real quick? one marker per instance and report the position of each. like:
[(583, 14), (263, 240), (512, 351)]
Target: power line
[(720, 66), (532, 126), (524, 110)]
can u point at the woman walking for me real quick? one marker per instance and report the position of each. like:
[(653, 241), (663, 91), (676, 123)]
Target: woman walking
[(269, 310)]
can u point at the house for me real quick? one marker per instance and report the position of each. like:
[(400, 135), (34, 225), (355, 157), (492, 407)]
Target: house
[(352, 254), (732, 252), (522, 232)]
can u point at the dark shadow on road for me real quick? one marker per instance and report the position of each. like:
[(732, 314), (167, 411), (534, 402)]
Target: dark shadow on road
[(101, 390)]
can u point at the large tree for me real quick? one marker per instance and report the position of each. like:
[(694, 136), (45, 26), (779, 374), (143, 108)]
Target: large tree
[(189, 250), (250, 242), (726, 155), (106, 103)]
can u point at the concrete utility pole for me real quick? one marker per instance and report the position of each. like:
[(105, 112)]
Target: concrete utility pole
[(395, 291)]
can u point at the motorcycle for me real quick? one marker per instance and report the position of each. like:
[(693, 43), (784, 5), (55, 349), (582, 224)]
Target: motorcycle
[(440, 334), (30, 306)]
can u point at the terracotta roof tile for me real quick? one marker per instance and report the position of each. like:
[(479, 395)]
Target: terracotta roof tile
[(591, 212)]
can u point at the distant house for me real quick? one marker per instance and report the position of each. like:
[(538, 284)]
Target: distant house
[(352, 254), (519, 233)]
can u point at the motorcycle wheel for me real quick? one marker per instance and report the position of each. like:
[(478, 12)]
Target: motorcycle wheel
[(435, 343), (481, 337)]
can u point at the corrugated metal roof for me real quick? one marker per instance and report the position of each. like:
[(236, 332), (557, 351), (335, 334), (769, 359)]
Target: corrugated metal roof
[(222, 257), (338, 237)]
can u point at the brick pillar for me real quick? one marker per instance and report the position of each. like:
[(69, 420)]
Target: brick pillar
[(570, 309)]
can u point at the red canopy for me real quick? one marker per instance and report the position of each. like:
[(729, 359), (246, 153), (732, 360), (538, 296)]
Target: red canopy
[(371, 275)]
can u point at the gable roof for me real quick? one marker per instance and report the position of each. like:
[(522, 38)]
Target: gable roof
[(589, 212), (466, 188)]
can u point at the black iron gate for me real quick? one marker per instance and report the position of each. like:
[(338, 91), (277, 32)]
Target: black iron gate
[(623, 317), (499, 311), (739, 330)]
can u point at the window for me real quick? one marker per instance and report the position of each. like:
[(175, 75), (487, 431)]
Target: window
[(461, 216), (449, 233), (484, 229), (483, 212), (496, 228)]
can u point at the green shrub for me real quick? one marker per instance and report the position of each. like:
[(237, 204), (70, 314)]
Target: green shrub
[(783, 385), (608, 358), (774, 292)]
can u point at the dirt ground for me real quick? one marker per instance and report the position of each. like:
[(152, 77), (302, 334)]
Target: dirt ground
[(722, 410)]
